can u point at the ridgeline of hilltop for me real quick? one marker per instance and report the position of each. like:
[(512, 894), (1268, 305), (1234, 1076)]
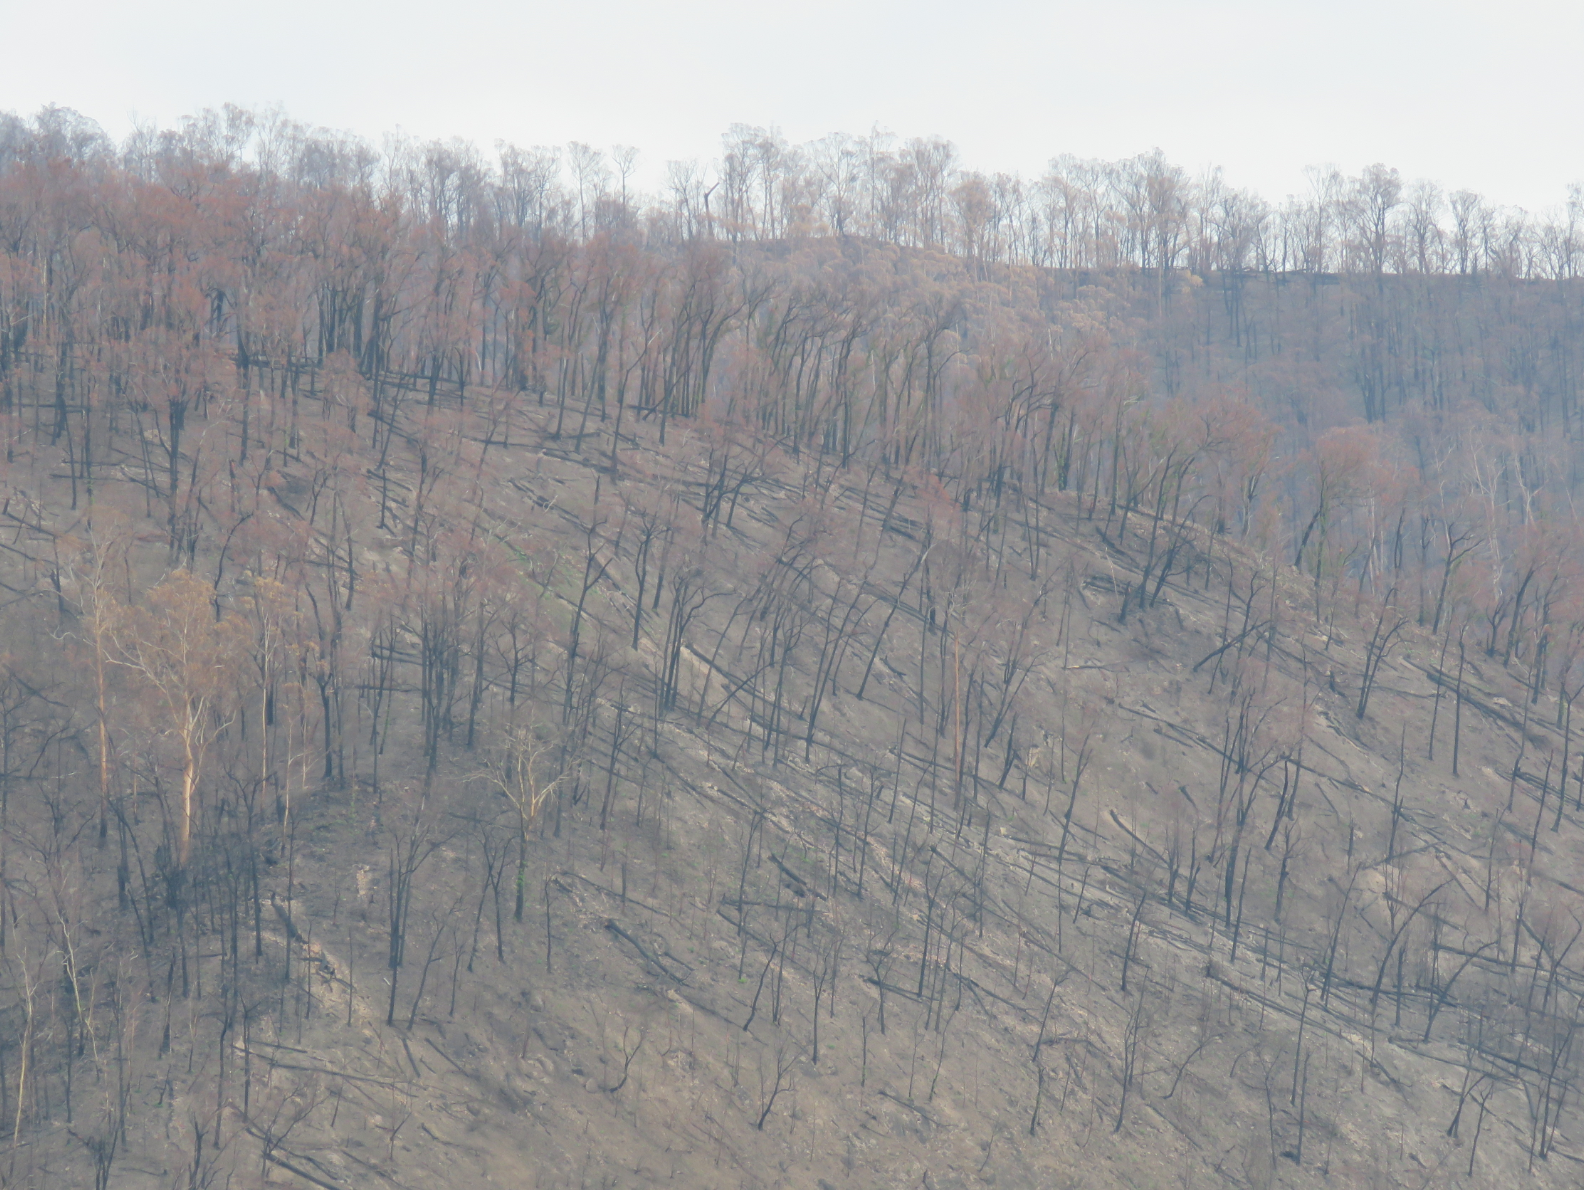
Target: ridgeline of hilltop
[(486, 705)]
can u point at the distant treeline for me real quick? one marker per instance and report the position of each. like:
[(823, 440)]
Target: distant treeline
[(1143, 211)]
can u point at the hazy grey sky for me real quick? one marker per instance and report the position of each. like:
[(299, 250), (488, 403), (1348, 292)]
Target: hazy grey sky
[(1475, 95)]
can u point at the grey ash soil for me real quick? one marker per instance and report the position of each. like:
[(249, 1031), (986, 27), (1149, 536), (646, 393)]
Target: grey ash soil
[(964, 925)]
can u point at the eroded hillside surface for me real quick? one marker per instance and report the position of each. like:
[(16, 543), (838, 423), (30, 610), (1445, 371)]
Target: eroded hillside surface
[(874, 861)]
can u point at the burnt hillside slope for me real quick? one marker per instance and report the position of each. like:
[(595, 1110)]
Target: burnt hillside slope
[(717, 816), (497, 690)]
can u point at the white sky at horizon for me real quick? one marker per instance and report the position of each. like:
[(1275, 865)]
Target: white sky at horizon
[(1471, 95)]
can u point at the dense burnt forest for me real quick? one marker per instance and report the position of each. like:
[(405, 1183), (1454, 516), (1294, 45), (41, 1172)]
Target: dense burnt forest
[(508, 681)]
